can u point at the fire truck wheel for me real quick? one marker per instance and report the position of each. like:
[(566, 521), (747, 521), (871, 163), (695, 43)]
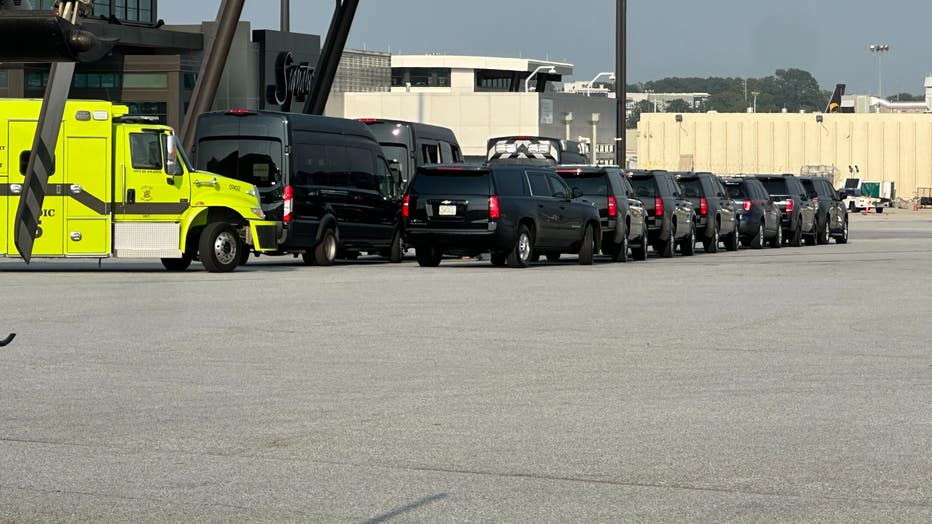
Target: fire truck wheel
[(220, 248)]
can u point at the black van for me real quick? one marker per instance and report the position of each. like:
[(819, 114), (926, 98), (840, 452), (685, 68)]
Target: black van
[(324, 179), (410, 145), (535, 151)]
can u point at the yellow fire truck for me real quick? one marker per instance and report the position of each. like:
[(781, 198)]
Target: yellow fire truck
[(122, 187)]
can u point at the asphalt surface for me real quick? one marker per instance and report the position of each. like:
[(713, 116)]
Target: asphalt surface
[(780, 385)]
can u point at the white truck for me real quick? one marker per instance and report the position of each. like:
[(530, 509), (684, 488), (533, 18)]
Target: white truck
[(860, 195)]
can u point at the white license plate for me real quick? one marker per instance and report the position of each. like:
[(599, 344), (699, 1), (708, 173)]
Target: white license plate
[(447, 211)]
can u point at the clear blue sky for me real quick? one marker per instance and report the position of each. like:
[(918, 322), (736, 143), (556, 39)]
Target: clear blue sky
[(829, 38)]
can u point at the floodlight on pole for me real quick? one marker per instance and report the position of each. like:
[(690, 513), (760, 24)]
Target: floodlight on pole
[(527, 83), (611, 77), (879, 50)]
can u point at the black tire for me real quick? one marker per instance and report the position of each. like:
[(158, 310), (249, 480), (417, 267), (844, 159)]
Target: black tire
[(878, 209), (664, 248), (746, 242), (732, 242), (796, 239), (619, 252), (813, 238), (688, 245), (777, 240), (498, 259), (758, 241), (520, 254), (824, 233), (220, 247), (843, 237), (553, 257), (177, 264), (244, 258), (428, 256), (326, 251), (396, 251), (586, 248), (535, 257), (640, 253), (710, 245)]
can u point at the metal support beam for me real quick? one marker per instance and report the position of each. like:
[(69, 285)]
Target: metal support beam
[(41, 163), (330, 56), (621, 80), (286, 16), (215, 60)]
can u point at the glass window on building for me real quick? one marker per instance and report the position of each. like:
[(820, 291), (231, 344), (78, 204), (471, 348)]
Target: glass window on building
[(37, 79), (145, 81), (158, 109), (488, 80), (421, 77), (3, 80)]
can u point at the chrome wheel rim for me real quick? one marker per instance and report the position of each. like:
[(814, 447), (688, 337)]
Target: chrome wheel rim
[(330, 247), (524, 246), (225, 248)]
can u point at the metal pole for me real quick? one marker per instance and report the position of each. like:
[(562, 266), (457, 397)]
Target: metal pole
[(330, 56), (215, 59), (621, 80), (286, 16)]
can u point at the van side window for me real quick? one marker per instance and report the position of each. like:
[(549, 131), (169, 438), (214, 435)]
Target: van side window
[(383, 177), (360, 163), (145, 150), (430, 153)]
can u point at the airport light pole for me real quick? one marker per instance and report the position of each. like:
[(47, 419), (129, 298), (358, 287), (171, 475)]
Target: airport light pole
[(754, 94), (879, 50), (621, 80), (611, 76), (527, 82)]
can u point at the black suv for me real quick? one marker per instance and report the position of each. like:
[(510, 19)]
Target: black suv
[(717, 217), (512, 211), (758, 216), (670, 218), (624, 220), (831, 213), (797, 211)]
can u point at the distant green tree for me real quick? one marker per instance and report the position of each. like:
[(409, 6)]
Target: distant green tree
[(678, 106), (906, 97), (641, 107)]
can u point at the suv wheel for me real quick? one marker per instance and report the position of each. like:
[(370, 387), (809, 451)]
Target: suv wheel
[(777, 240), (843, 237), (796, 239), (520, 254), (813, 239), (824, 233), (586, 248), (688, 247), (428, 256), (640, 252), (396, 251), (710, 245), (619, 251), (758, 241), (732, 241)]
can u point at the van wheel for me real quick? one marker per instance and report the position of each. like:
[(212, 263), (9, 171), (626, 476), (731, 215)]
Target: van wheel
[(220, 248), (177, 264), (396, 252), (586, 248), (428, 256), (244, 257), (326, 251)]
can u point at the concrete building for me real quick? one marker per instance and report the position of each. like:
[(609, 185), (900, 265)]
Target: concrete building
[(882, 147), (363, 72), (481, 97)]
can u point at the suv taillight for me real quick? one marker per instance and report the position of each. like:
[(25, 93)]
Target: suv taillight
[(612, 206), (658, 207), (747, 205), (406, 206), (790, 205), (288, 206), (703, 206), (494, 211)]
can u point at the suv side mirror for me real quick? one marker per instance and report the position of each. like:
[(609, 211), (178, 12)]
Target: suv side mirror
[(577, 192), (842, 195)]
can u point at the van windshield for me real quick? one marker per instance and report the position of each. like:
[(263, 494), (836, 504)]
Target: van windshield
[(397, 153), (255, 161)]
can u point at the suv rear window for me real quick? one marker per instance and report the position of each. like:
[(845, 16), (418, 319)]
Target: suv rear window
[(775, 186), (593, 184), (692, 187), (434, 182), (644, 187), (737, 190)]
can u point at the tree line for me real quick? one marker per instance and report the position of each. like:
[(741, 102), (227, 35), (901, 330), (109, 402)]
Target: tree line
[(791, 89)]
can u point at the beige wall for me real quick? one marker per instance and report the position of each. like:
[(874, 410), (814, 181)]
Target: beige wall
[(894, 147), (473, 117)]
